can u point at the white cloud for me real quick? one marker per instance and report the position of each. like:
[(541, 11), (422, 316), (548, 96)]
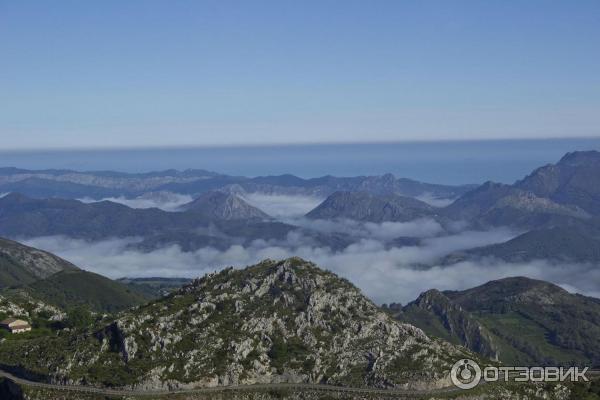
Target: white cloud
[(166, 201), (423, 227), (384, 274), (434, 201), (282, 206)]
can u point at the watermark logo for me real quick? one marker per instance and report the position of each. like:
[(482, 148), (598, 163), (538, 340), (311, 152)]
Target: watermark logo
[(466, 374)]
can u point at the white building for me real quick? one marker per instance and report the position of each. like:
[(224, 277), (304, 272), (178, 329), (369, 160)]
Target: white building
[(15, 325)]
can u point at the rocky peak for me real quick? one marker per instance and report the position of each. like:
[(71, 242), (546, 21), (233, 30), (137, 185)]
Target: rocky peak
[(224, 206), (432, 298)]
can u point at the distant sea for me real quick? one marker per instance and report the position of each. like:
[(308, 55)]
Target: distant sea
[(449, 162)]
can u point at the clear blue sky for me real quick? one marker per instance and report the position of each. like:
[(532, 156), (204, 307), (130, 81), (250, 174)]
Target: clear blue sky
[(151, 73)]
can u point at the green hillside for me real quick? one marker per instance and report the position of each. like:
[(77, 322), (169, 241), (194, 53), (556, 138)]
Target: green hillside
[(72, 288), (12, 273), (20, 264), (522, 321)]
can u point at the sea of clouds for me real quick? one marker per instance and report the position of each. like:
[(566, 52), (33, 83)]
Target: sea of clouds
[(384, 273)]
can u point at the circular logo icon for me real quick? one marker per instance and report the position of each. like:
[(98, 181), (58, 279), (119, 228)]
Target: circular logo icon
[(465, 374)]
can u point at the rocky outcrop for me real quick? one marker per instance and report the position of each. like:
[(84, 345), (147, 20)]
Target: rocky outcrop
[(22, 304)]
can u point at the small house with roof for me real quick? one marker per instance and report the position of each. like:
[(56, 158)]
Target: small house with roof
[(14, 325)]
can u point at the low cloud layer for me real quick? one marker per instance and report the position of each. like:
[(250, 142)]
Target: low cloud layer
[(166, 201), (434, 201), (278, 206), (282, 206), (420, 228), (396, 274), (384, 274)]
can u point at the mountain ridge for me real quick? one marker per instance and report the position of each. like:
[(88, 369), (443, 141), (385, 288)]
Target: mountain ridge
[(21, 264), (99, 184)]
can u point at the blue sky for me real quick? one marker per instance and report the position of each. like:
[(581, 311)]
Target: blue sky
[(155, 73)]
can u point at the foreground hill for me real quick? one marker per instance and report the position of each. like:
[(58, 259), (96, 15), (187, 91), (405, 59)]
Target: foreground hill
[(20, 264), (363, 206), (285, 321), (519, 320)]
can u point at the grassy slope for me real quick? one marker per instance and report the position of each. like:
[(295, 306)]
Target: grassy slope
[(531, 322), (12, 274), (69, 288), (518, 336)]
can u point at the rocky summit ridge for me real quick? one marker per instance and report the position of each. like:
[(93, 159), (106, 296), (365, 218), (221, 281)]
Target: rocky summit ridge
[(274, 322)]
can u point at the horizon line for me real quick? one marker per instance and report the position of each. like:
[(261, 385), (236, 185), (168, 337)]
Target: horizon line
[(284, 144)]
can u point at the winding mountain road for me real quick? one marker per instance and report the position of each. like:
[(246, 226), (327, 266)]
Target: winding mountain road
[(257, 387), (403, 393)]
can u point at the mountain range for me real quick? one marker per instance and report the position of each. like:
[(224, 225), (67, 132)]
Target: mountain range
[(102, 184), (555, 215), (555, 209), (204, 223)]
